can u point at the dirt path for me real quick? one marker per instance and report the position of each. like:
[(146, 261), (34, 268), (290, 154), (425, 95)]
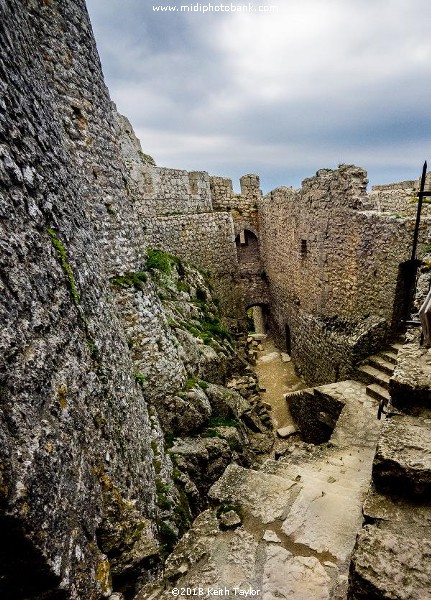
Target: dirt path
[(277, 378)]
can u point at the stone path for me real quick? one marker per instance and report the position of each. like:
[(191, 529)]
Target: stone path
[(299, 518)]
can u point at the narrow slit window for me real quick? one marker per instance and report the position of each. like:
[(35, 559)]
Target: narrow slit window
[(303, 248)]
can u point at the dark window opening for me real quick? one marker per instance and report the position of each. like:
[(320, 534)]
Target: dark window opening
[(303, 248)]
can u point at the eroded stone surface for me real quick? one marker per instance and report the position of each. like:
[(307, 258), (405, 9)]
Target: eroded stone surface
[(410, 384), (298, 577), (403, 457), (387, 564), (266, 497), (299, 516)]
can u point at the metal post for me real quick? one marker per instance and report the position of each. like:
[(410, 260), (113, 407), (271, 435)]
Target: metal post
[(418, 213)]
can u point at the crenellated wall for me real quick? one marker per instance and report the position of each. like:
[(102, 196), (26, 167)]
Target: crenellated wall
[(399, 199)]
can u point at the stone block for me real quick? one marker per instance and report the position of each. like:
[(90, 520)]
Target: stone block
[(402, 465)]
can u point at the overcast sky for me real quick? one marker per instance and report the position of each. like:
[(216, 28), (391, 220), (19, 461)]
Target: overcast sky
[(282, 94)]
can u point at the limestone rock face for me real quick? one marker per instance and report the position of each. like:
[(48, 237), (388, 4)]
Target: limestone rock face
[(74, 426), (410, 384)]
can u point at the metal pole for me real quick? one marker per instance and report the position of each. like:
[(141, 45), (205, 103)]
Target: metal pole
[(418, 213)]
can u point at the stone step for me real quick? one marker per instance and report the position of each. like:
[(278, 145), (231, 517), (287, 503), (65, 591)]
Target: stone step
[(381, 364), (378, 392), (389, 355), (402, 465), (369, 375), (396, 346)]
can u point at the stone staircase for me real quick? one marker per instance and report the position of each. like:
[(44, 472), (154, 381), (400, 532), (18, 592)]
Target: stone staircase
[(287, 529), (376, 372)]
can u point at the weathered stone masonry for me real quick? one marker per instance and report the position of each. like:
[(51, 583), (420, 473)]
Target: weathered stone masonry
[(89, 367), (327, 259)]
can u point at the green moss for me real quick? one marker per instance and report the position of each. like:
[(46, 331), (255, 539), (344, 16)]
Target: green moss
[(176, 474), (162, 490), (222, 422), (169, 440), (182, 513), (183, 286), (158, 260), (211, 433), (211, 327), (203, 385), (194, 330), (62, 255), (168, 538), (129, 279), (139, 377), (190, 383)]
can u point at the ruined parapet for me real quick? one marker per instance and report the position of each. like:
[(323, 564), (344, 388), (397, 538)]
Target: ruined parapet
[(243, 207), (399, 199), (344, 187)]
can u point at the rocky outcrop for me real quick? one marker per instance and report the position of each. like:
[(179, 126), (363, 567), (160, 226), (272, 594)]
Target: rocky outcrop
[(285, 529)]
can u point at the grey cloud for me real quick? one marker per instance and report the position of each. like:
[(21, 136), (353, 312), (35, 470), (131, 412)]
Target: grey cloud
[(321, 83)]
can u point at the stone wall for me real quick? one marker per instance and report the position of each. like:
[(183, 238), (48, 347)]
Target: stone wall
[(82, 458), (75, 429), (159, 190), (175, 211), (244, 206), (205, 240), (91, 359)]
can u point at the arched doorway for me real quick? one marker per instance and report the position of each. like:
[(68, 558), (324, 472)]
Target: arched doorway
[(257, 318)]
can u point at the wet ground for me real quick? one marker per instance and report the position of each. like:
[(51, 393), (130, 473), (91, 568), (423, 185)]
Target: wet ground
[(277, 378)]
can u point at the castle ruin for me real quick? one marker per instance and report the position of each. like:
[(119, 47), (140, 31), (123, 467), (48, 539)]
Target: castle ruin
[(119, 281)]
